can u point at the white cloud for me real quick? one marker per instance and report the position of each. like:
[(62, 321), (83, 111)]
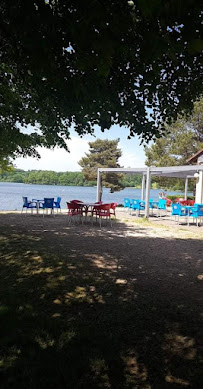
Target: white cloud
[(60, 160), (57, 159), (132, 160)]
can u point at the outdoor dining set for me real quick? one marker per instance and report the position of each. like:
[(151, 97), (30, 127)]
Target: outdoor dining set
[(80, 211), (45, 204), (180, 209), (137, 205), (77, 210), (83, 210)]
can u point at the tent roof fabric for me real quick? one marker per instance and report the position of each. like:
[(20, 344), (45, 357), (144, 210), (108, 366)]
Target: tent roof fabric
[(167, 171)]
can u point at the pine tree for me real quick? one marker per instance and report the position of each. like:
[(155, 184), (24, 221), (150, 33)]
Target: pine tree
[(103, 153)]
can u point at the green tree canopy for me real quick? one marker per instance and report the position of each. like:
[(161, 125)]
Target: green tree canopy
[(183, 139), (5, 165), (103, 153), (82, 63)]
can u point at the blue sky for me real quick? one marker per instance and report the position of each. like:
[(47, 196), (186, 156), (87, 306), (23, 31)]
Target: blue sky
[(59, 160)]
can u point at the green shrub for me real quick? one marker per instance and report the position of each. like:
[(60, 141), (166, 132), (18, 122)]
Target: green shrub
[(182, 196)]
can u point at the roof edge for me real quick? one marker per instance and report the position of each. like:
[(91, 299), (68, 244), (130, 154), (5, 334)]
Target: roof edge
[(195, 156)]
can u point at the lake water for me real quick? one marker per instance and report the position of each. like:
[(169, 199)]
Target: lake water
[(11, 194)]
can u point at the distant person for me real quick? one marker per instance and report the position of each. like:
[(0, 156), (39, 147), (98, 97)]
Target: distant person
[(162, 195)]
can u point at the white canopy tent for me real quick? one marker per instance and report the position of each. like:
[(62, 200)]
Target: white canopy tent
[(190, 171)]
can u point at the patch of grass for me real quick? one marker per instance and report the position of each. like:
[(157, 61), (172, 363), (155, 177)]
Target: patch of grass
[(180, 232)]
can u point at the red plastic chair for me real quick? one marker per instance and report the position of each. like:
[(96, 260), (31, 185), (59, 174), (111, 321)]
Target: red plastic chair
[(80, 202), (95, 209), (168, 202), (183, 202), (74, 211), (104, 211), (190, 202), (113, 209), (179, 200)]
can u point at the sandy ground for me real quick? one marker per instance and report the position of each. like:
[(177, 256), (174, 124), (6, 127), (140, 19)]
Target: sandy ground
[(143, 277), (164, 223), (159, 240), (155, 226)]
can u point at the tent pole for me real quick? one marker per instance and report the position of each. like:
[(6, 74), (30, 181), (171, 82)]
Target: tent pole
[(199, 188), (148, 184), (143, 187), (99, 193), (186, 187)]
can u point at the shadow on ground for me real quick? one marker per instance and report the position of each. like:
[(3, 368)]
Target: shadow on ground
[(88, 308)]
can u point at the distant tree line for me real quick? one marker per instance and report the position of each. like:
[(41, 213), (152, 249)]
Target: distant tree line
[(45, 177)]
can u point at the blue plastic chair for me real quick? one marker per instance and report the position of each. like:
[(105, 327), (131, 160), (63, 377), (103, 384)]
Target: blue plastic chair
[(152, 205), (127, 203), (57, 204), (161, 205), (175, 210), (28, 205), (48, 204), (138, 205), (179, 210), (196, 212)]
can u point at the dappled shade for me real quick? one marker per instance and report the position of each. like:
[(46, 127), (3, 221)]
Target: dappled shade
[(89, 308)]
